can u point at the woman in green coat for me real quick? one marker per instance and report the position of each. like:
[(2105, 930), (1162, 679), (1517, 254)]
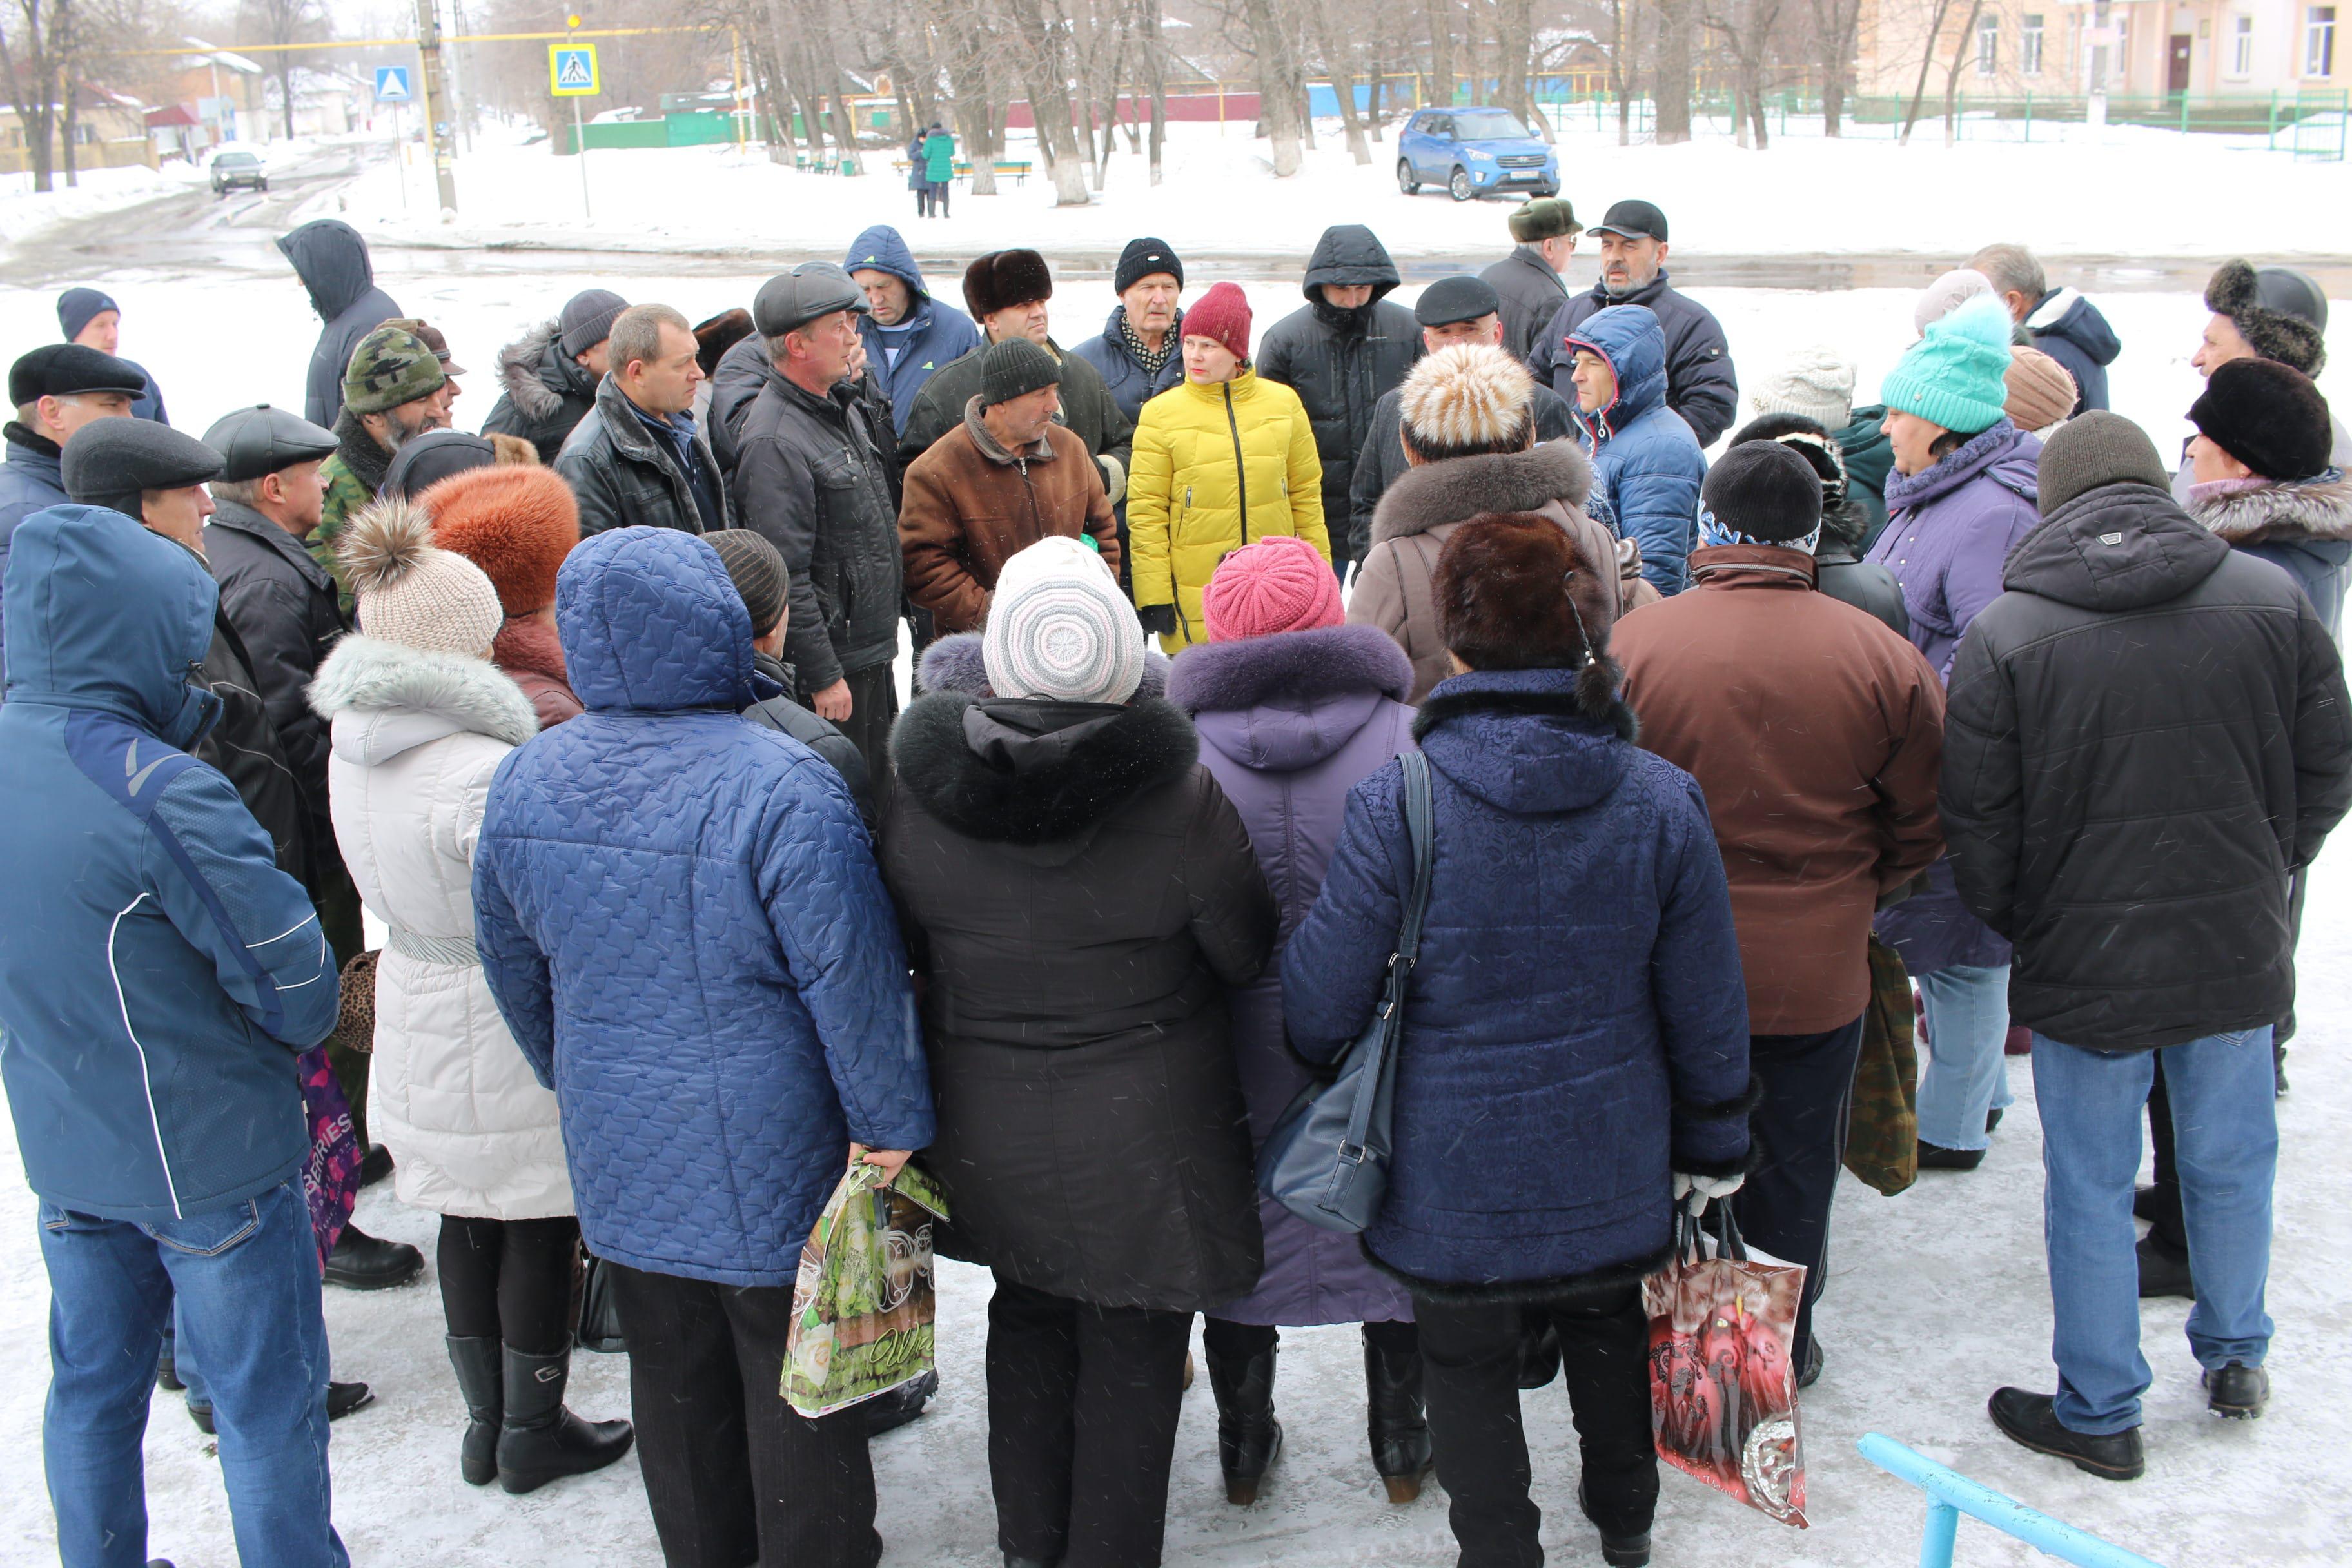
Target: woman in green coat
[(938, 165)]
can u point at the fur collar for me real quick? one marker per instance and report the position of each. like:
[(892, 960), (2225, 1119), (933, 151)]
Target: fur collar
[(517, 371), (1299, 666), (362, 453), (1146, 745), (1460, 487), (369, 673), (2248, 513), (1594, 701), (531, 646), (954, 663), (995, 450)]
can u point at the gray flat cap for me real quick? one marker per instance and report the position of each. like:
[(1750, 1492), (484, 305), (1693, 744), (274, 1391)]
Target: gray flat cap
[(109, 461), (795, 299), (261, 440)]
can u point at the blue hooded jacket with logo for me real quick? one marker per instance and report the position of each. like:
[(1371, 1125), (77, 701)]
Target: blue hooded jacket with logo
[(933, 335), (158, 973), (1645, 460)]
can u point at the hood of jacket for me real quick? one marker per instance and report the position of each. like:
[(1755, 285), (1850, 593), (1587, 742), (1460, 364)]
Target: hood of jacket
[(882, 248), (1349, 254), (1029, 773), (531, 646), (1438, 493), (954, 664), (1533, 742), (2004, 454), (2117, 547), (2253, 512), (651, 623), (104, 615), (1630, 338), (1280, 703), (331, 260), (386, 698), (536, 373), (2064, 313)]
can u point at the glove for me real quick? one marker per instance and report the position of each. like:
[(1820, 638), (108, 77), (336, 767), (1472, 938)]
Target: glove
[(1160, 618), (1701, 1191)]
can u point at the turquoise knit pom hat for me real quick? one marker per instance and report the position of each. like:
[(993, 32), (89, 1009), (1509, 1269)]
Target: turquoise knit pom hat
[(1952, 376)]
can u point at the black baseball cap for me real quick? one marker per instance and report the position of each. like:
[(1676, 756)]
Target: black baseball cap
[(1633, 220), (1452, 300)]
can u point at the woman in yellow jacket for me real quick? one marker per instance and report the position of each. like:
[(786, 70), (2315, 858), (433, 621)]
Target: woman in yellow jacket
[(1220, 461)]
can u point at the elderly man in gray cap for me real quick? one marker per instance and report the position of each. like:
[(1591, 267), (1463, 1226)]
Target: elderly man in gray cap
[(808, 467), (637, 460)]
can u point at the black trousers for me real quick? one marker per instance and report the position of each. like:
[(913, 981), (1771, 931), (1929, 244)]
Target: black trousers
[(509, 1280), (873, 708), (1784, 1207), (1082, 1408), (732, 1475), (1470, 1360), (1239, 1341)]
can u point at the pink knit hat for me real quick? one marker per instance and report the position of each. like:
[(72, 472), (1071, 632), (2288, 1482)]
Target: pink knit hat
[(1278, 584), (1221, 313)]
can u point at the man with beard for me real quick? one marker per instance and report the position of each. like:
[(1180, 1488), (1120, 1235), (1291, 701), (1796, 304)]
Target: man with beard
[(393, 391)]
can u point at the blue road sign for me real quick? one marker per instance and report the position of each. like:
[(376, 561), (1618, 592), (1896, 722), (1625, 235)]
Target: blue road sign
[(392, 84)]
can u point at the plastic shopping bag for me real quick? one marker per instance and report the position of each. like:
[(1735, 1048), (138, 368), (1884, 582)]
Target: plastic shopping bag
[(863, 1303), (1723, 1390), (331, 1175)]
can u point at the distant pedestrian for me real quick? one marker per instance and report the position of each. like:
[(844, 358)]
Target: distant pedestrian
[(1527, 281), (939, 166), (918, 173), (2138, 662), (518, 524), (1702, 385), (332, 260), (393, 391), (1646, 461), (94, 321), (2063, 324), (547, 379), (909, 334), (637, 460), (1340, 352)]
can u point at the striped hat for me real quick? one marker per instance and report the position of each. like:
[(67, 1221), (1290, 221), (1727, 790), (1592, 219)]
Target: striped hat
[(1059, 628)]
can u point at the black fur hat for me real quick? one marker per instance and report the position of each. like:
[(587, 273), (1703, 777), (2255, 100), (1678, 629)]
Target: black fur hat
[(1513, 592), (2279, 312), (2268, 415), (1003, 279)]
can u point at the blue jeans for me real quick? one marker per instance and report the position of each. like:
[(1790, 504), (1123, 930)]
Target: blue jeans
[(2225, 1126), (247, 1282), (1966, 1078)]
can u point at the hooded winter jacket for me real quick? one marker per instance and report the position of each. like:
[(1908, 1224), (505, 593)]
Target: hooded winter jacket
[(625, 477), (1575, 1031), (2070, 330), (1869, 457), (1532, 293), (158, 973), (1289, 725), (2302, 525), (331, 260), (1130, 384), (1644, 457), (417, 738), (929, 335), (29, 482), (2148, 733), (711, 980), (1216, 468), (1087, 409), (1340, 361), (1702, 385), (544, 392), (1079, 897), (1395, 583)]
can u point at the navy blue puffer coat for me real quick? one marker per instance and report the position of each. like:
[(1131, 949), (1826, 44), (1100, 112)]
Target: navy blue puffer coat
[(680, 918)]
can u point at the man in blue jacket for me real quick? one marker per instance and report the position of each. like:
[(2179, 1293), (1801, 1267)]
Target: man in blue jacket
[(1645, 460), (2062, 323), (909, 334), (158, 976), (712, 983)]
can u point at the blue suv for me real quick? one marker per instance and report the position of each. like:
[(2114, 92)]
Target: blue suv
[(1473, 151)]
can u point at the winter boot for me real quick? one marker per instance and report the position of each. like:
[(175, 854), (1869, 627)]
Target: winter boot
[(538, 1440), (2163, 1271), (2237, 1392), (1399, 1431), (479, 1382), (1936, 1157), (889, 1412), (2032, 1421), (1538, 1351), (1248, 1436), (1617, 1551)]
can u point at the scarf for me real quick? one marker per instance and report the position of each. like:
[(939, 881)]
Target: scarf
[(1713, 532), (360, 452), (1151, 362)]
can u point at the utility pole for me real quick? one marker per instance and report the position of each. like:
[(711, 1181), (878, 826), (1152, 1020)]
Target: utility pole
[(461, 66), (432, 92)]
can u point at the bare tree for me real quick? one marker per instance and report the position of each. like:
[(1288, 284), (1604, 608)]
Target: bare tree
[(284, 22), (1514, 51), (1926, 60), (1670, 75), (1836, 24), (1748, 33), (1443, 16), (1046, 66), (1278, 85), (1952, 73), (38, 79), (1155, 76), (1338, 65)]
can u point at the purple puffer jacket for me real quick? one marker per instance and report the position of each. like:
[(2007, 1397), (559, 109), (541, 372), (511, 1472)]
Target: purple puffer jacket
[(1949, 530), (1289, 723)]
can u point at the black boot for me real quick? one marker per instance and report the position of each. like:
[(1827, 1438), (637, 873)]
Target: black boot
[(1936, 1157), (342, 1398), (479, 1384), (1538, 1351), (1248, 1436), (2163, 1271), (538, 1440), (361, 1262), (889, 1412), (1398, 1428), (2237, 1392), (2032, 1421), (1617, 1551)]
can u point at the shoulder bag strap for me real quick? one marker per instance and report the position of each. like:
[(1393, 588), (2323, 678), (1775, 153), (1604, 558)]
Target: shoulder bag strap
[(1375, 1087)]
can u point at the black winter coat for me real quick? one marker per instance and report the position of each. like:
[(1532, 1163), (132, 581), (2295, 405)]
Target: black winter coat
[(1077, 896), (1382, 462), (544, 392), (331, 260), (1087, 409), (810, 478), (785, 715), (1532, 293), (1341, 362), (1840, 571), (1701, 384), (624, 477), (2145, 736), (243, 746)]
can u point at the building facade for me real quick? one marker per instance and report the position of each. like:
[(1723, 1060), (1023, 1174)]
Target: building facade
[(2197, 49)]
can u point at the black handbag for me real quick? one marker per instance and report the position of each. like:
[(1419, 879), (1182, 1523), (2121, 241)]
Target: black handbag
[(1327, 1160), (600, 1316)]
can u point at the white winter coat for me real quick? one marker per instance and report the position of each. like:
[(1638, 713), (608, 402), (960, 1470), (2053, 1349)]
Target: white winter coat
[(417, 737)]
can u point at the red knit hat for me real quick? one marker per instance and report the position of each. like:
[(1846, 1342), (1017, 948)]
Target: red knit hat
[(515, 523), (1277, 585), (1221, 313)]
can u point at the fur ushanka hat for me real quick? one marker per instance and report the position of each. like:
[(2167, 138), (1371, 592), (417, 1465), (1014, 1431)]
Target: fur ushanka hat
[(516, 523), (1003, 279), (2281, 313)]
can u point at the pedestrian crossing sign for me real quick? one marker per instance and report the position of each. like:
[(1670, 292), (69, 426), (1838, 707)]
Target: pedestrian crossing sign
[(572, 70)]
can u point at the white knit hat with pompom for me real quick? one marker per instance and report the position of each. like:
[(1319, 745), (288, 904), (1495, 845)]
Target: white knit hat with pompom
[(409, 591), (1468, 395)]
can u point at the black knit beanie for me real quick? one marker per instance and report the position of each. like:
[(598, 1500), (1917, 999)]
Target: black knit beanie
[(1014, 368), (1142, 258), (2268, 415)]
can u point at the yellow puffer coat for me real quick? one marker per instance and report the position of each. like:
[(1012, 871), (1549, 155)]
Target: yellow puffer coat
[(1216, 468)]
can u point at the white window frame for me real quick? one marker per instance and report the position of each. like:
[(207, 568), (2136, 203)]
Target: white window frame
[(2028, 44), (1988, 44), (2241, 46), (2320, 41)]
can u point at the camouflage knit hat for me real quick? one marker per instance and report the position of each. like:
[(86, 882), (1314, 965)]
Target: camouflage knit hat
[(391, 366)]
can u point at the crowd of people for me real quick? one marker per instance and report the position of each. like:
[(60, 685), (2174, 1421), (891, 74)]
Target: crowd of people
[(596, 712)]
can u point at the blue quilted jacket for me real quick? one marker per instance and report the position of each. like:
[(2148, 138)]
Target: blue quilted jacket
[(680, 918), (1646, 461)]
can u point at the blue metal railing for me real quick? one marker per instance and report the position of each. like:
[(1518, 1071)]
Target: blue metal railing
[(1951, 1494)]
